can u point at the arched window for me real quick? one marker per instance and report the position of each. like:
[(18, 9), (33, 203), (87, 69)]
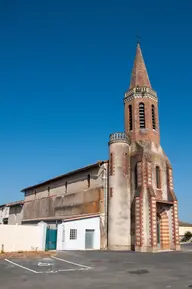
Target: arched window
[(135, 176), (130, 118), (153, 116), (142, 115), (158, 178)]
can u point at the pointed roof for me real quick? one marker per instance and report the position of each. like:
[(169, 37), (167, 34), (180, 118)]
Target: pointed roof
[(139, 76)]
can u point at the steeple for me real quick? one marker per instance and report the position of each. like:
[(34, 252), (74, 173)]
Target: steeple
[(141, 105), (139, 76)]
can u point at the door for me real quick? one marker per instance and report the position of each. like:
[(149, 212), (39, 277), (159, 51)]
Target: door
[(89, 239), (51, 239), (61, 237)]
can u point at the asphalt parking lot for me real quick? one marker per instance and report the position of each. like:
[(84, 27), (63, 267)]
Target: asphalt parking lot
[(97, 269)]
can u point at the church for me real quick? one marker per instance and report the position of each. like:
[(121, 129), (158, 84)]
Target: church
[(124, 203)]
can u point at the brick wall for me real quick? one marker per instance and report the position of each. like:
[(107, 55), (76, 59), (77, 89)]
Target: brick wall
[(142, 134)]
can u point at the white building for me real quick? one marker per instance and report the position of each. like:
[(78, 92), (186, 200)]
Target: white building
[(79, 233)]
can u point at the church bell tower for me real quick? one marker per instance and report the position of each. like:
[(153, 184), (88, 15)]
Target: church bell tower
[(141, 104), (143, 208)]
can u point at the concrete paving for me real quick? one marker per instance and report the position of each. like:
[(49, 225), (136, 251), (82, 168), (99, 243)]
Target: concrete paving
[(186, 247), (97, 269)]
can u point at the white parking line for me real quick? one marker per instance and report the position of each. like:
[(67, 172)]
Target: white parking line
[(83, 267), (33, 271), (73, 263), (64, 270)]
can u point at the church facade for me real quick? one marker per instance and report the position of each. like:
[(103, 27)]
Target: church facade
[(132, 194)]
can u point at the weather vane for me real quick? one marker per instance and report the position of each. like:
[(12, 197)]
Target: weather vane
[(138, 38)]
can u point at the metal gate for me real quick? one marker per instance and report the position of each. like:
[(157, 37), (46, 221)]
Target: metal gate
[(51, 239), (89, 239)]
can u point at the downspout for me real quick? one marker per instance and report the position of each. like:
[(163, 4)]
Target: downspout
[(105, 186)]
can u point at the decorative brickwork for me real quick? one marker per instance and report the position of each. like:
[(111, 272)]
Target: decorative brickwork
[(173, 228), (176, 223), (170, 178), (149, 173), (139, 174), (150, 237), (153, 222), (141, 221), (137, 222)]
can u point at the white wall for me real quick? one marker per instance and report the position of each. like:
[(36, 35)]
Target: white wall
[(183, 230), (15, 238), (63, 237)]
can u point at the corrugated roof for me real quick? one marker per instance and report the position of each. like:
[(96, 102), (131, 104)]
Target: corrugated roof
[(65, 175)]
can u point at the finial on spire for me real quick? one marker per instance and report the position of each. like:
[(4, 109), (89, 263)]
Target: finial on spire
[(138, 39), (139, 76)]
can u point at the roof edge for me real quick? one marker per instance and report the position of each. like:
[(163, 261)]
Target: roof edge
[(99, 163), (62, 218)]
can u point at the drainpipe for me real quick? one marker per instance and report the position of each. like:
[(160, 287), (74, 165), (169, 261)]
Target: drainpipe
[(105, 185)]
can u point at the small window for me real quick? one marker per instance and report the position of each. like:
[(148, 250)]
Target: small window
[(142, 115), (130, 118), (158, 179), (88, 180), (135, 176), (153, 116), (111, 164), (73, 234), (65, 187), (125, 163)]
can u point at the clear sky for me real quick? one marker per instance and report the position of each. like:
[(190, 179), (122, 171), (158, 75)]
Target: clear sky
[(64, 68)]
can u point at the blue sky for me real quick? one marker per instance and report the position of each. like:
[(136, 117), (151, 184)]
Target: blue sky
[(64, 68)]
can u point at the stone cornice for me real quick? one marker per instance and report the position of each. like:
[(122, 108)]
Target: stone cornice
[(140, 92), (119, 137)]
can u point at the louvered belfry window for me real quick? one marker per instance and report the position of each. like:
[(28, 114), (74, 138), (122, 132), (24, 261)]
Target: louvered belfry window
[(153, 116), (142, 115), (130, 118)]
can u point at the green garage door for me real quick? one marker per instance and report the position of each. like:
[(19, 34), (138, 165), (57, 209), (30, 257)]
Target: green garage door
[(51, 239)]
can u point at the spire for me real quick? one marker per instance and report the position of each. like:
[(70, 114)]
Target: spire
[(139, 76)]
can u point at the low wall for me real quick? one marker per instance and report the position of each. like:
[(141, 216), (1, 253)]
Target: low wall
[(183, 230), (15, 238)]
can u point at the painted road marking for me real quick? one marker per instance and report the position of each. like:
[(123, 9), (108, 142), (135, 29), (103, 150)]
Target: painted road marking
[(33, 271), (44, 264), (40, 264), (64, 270), (73, 263)]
